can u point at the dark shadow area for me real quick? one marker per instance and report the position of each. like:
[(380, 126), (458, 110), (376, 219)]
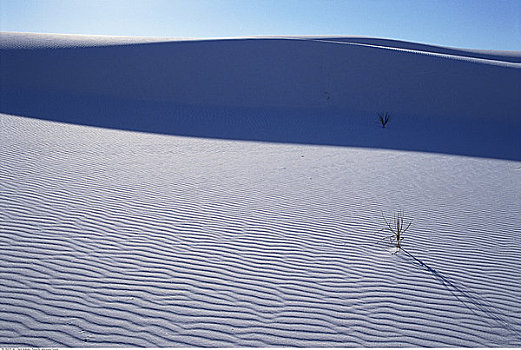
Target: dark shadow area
[(471, 302), (194, 88), (484, 138)]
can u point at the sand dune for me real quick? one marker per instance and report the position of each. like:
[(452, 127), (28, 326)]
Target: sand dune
[(274, 73), (494, 55), (278, 90), (118, 237)]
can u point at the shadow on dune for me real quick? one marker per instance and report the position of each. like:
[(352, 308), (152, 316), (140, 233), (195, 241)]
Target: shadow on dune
[(320, 126), (291, 91)]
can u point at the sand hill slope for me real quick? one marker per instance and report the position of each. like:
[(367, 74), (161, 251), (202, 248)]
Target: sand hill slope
[(230, 193), (307, 90), (311, 73)]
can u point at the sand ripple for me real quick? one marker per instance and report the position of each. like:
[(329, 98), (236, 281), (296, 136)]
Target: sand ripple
[(114, 238)]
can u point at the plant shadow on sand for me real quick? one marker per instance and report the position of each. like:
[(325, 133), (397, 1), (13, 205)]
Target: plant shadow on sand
[(471, 302)]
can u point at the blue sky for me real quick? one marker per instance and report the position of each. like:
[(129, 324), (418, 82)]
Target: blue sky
[(481, 24)]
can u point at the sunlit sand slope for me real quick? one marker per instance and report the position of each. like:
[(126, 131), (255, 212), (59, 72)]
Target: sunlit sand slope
[(120, 238)]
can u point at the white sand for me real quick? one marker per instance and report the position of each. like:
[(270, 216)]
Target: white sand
[(253, 219)]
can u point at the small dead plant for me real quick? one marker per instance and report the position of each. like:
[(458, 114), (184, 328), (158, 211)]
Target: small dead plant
[(397, 227), (384, 118)]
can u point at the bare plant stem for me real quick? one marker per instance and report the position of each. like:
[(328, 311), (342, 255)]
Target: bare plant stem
[(384, 118), (397, 228)]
